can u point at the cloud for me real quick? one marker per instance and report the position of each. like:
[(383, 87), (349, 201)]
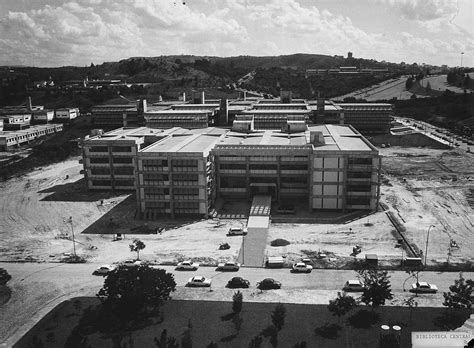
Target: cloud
[(78, 32), (424, 10)]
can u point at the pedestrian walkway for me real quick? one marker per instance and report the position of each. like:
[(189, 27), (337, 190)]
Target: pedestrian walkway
[(252, 251)]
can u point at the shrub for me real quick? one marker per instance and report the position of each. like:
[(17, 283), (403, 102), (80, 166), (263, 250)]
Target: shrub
[(279, 242)]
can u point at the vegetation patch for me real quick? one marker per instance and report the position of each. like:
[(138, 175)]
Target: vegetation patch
[(279, 242)]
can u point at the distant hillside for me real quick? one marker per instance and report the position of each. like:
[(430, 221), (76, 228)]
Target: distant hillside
[(169, 74)]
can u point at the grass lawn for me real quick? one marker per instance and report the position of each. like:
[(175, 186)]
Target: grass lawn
[(211, 322)]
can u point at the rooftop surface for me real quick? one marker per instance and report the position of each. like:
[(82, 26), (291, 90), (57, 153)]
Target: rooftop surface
[(196, 141), (336, 137)]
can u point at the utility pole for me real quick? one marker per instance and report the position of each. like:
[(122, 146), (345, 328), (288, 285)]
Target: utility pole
[(427, 241), (69, 221), (462, 55)]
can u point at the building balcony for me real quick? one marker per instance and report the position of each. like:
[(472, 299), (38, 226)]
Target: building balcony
[(360, 167), (231, 159), (263, 171), (185, 183), (291, 171), (232, 171), (233, 189), (358, 193)]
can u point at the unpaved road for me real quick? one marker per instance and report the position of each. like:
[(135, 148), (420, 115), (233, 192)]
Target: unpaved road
[(37, 288)]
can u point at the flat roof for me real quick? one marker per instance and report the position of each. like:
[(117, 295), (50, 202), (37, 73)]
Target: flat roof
[(198, 141)]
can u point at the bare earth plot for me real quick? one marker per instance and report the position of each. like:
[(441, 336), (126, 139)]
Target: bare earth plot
[(34, 207), (433, 187), (425, 187)]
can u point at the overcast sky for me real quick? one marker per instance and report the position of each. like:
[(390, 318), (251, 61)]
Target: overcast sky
[(57, 33)]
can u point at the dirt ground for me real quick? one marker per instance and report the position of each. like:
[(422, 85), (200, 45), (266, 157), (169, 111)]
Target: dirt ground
[(423, 187)]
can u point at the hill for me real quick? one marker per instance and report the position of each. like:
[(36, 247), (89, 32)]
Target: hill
[(170, 74)]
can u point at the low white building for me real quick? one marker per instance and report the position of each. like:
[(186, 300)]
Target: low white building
[(66, 114)]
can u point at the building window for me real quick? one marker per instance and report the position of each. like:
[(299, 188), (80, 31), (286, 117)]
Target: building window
[(124, 170), (126, 160), (98, 149), (100, 171), (121, 149), (101, 183), (124, 183), (100, 160), (357, 161)]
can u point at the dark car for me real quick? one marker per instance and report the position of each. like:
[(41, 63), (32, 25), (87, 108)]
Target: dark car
[(238, 282), (269, 283)]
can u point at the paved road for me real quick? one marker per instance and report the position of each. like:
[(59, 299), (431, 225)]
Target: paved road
[(37, 288)]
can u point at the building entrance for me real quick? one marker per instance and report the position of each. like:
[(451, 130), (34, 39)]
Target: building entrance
[(262, 188)]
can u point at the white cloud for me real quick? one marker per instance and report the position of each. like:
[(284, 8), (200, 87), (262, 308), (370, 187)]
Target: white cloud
[(424, 9), (78, 32)]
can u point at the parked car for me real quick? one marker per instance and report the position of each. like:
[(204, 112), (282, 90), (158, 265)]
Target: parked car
[(286, 209), (199, 281), (228, 266), (269, 283), (424, 287), (301, 267), (103, 270), (237, 231), (131, 263), (238, 282), (187, 266), (353, 285)]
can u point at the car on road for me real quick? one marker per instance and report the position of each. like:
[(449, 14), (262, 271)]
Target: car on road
[(187, 266), (238, 282), (268, 283), (228, 266), (131, 263), (424, 288), (237, 231), (199, 281), (353, 285), (103, 270), (301, 267)]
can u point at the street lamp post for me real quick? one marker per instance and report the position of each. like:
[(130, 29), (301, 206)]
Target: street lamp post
[(69, 221), (462, 55), (427, 241)]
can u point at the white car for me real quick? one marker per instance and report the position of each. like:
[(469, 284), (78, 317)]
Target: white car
[(353, 285), (199, 281), (237, 231), (131, 263), (103, 270), (424, 287), (228, 266), (187, 266), (301, 267)]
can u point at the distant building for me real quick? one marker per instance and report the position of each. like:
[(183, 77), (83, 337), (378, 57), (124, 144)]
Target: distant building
[(349, 55), (16, 138), (368, 118), (66, 114)]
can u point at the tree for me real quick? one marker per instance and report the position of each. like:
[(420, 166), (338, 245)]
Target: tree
[(412, 304), (460, 293), (409, 83), (130, 292), (237, 300), (4, 276), (166, 341), (278, 316), (376, 287), (186, 337), (136, 246), (341, 305)]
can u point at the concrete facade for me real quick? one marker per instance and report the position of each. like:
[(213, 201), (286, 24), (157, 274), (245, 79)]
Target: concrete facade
[(182, 171)]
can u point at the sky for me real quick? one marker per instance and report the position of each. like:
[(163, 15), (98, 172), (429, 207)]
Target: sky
[(50, 33)]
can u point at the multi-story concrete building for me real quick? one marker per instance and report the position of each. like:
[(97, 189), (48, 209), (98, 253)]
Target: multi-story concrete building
[(329, 166), (181, 172), (110, 159), (176, 174), (368, 118)]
